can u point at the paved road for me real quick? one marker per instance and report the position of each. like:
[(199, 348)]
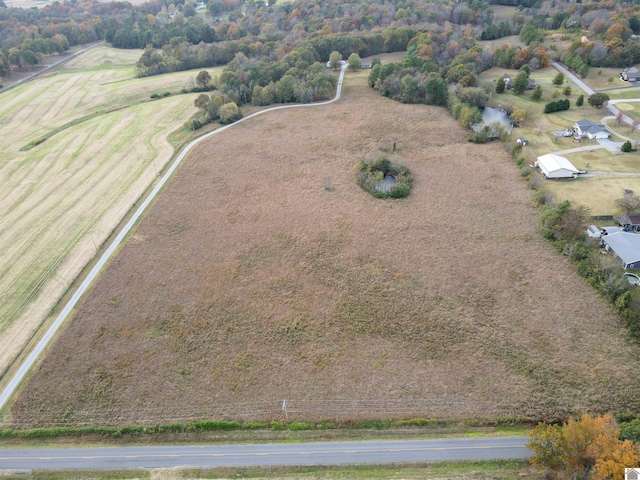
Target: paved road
[(561, 68), (589, 91), (268, 454), (13, 383)]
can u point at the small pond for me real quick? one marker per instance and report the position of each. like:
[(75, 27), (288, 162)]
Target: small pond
[(387, 183), (490, 115)]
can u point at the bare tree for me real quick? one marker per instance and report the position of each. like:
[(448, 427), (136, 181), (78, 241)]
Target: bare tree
[(619, 117), (634, 124), (629, 203)]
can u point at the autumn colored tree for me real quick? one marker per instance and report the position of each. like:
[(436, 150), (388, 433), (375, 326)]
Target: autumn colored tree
[(202, 101), (203, 79), (581, 447)]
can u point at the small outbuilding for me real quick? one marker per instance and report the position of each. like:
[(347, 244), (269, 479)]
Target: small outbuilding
[(555, 166), (522, 141), (625, 246), (593, 232)]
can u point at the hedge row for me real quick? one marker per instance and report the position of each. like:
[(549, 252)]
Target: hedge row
[(218, 425)]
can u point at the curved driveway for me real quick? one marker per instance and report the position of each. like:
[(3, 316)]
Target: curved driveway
[(321, 453), (20, 374)]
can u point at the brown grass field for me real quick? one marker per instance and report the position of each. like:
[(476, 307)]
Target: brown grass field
[(263, 273)]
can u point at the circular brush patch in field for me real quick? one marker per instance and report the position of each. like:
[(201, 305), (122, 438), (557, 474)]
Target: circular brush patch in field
[(383, 178)]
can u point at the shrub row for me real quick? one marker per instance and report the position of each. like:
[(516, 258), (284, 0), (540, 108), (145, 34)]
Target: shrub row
[(558, 106), (50, 134), (220, 425)]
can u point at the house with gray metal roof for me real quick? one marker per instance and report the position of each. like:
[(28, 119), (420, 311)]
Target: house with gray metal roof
[(590, 129), (630, 74), (625, 246)]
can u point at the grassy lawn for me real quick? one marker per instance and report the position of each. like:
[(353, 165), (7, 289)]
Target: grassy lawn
[(630, 108), (502, 12), (511, 40), (600, 78), (598, 194), (63, 197), (626, 92), (489, 469)]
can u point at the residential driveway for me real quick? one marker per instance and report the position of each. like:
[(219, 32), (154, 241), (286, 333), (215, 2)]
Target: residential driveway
[(609, 174), (613, 147), (588, 148), (561, 68)]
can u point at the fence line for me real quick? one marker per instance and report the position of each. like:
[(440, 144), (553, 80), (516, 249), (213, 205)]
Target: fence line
[(441, 408)]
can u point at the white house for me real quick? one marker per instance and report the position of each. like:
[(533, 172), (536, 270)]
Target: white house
[(626, 247), (630, 74), (555, 166), (590, 129)]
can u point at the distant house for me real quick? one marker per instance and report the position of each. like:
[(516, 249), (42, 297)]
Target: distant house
[(629, 222), (366, 64), (508, 83), (590, 130), (554, 166), (630, 74), (625, 246), (531, 84)]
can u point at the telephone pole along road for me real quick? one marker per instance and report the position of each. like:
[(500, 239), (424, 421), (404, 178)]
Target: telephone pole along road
[(326, 453)]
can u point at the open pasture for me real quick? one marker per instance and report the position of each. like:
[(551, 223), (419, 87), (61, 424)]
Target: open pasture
[(263, 273), (103, 81), (62, 198)]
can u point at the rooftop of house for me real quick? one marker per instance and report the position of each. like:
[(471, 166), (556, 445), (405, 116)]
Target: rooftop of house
[(629, 219)]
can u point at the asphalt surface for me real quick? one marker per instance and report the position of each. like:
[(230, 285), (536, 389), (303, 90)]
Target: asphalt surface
[(333, 453), (20, 374)]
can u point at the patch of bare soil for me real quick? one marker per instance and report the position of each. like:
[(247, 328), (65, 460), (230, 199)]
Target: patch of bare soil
[(264, 273)]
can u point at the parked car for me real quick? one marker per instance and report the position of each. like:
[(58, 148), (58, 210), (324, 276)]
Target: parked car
[(632, 278)]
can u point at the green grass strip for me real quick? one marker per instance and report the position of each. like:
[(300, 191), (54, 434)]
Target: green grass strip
[(50, 134), (222, 425)]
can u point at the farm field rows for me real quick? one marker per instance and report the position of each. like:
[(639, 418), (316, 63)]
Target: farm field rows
[(264, 273), (63, 197)]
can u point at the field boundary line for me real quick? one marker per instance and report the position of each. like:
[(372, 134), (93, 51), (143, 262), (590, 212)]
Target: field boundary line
[(49, 67), (33, 356)]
